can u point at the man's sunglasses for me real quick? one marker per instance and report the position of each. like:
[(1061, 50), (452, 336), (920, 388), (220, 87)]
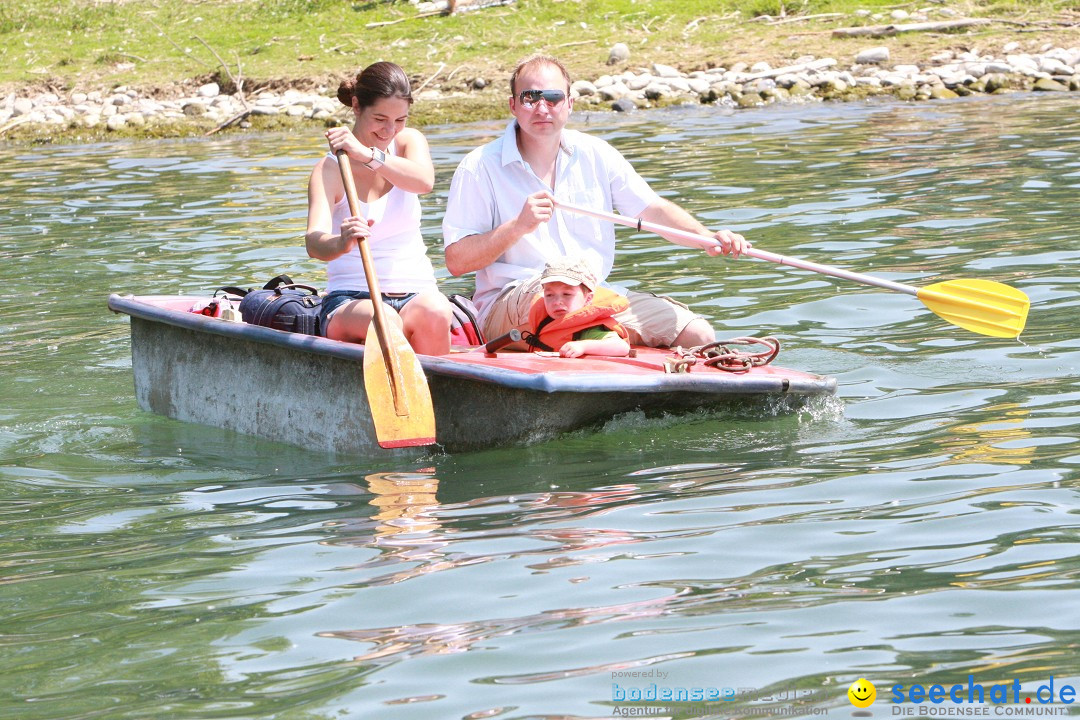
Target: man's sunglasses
[(529, 98)]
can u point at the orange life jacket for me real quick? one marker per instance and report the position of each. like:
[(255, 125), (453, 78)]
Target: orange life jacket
[(553, 334)]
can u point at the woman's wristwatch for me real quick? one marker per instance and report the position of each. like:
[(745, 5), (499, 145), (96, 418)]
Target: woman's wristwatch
[(378, 159)]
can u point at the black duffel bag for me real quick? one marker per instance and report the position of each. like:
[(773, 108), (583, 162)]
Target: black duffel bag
[(280, 304)]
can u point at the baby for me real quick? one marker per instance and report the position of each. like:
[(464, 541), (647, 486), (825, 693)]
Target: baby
[(575, 317)]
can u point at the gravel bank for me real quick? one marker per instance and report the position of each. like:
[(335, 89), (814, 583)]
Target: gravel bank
[(947, 74)]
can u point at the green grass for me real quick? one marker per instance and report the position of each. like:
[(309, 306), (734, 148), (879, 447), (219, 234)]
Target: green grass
[(104, 43)]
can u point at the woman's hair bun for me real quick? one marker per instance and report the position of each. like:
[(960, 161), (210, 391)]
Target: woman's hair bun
[(345, 92)]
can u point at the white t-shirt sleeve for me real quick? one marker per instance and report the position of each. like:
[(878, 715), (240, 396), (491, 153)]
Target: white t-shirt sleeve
[(630, 194), (470, 205)]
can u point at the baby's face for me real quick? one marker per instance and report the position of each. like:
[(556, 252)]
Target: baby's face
[(560, 298)]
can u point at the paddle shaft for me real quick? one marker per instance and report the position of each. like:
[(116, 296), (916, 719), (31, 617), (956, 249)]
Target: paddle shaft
[(378, 318), (705, 242)]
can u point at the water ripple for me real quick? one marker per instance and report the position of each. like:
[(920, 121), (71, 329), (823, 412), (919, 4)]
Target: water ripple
[(920, 527)]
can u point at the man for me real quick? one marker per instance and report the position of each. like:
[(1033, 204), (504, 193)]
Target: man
[(501, 221)]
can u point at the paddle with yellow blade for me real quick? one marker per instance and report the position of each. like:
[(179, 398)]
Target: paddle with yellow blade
[(397, 390), (982, 306)]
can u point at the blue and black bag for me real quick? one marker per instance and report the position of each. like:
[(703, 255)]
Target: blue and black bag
[(280, 304)]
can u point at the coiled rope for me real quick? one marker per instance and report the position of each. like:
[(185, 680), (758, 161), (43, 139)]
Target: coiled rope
[(723, 355)]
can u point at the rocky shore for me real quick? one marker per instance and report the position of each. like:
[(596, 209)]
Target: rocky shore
[(946, 74)]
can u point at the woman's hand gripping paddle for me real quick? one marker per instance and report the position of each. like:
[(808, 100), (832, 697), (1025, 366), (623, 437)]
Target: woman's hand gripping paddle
[(982, 306), (397, 389)]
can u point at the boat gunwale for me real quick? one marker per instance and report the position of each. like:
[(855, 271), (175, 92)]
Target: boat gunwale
[(793, 383)]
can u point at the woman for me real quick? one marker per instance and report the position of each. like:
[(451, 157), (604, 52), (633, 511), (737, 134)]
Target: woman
[(391, 166)]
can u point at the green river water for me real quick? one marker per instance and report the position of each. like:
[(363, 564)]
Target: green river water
[(919, 529)]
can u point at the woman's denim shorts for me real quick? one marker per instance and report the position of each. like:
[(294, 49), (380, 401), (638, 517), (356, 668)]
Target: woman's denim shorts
[(339, 298)]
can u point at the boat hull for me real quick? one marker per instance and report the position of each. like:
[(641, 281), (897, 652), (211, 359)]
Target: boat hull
[(309, 391)]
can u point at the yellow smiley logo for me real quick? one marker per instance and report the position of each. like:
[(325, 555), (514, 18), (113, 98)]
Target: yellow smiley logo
[(862, 693)]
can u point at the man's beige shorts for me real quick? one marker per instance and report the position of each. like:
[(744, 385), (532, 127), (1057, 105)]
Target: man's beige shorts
[(651, 320)]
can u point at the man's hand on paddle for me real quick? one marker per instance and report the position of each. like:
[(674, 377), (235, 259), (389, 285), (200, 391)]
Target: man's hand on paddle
[(665, 212), (537, 210), (730, 243)]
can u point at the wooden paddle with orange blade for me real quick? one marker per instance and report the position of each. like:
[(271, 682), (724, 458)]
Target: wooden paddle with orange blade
[(397, 389), (982, 306)]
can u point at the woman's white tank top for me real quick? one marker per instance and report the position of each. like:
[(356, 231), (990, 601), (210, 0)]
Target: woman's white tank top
[(396, 245)]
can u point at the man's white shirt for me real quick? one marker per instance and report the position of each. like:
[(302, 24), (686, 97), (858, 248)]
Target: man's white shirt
[(492, 182)]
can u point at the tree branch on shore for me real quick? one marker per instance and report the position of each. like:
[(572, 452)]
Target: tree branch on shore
[(890, 30), (452, 7), (815, 65), (231, 121), (17, 121), (432, 13), (238, 83), (804, 18), (453, 72), (692, 25), (434, 75)]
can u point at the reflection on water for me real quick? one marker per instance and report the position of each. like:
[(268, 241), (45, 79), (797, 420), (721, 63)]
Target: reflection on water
[(404, 501), (1005, 441), (919, 529)]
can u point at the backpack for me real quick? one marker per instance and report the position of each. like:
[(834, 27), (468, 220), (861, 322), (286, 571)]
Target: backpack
[(280, 304), (464, 329)]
